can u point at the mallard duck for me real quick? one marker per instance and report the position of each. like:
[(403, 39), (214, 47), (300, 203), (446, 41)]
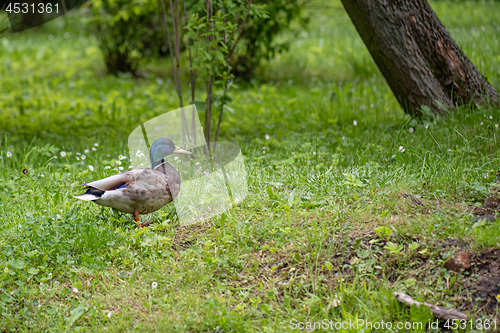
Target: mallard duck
[(139, 190)]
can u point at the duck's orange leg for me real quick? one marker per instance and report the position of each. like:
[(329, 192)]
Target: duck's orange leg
[(136, 216), (137, 219)]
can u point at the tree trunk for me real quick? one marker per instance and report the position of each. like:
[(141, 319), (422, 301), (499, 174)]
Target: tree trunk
[(417, 56)]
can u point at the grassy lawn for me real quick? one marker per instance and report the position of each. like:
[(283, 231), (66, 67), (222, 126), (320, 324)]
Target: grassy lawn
[(350, 199)]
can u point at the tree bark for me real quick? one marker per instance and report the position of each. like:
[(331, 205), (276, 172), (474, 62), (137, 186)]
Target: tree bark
[(417, 56)]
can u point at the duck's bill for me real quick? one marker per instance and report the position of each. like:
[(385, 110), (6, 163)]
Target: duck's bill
[(178, 150)]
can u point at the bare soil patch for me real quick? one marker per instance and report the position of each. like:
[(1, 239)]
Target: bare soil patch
[(484, 282)]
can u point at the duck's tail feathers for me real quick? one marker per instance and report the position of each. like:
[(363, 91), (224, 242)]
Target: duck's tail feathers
[(87, 197)]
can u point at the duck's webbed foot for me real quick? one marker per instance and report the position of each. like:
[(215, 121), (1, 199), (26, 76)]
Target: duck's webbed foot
[(137, 219), (144, 224)]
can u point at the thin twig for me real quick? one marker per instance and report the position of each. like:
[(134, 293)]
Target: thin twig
[(192, 77), (174, 13), (226, 87), (176, 49), (225, 92), (437, 311), (230, 53), (208, 114), (167, 37), (237, 20)]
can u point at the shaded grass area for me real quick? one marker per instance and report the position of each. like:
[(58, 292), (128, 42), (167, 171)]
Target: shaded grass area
[(332, 225)]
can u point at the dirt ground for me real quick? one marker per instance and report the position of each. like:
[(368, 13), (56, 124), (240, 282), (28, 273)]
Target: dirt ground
[(484, 282)]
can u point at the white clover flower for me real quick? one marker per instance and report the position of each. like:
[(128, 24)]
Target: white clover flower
[(355, 123), (96, 144), (401, 149), (154, 285), (410, 129), (94, 148), (83, 157), (119, 162), (87, 151), (91, 168), (267, 136), (63, 153), (9, 154), (120, 168), (336, 302), (75, 290)]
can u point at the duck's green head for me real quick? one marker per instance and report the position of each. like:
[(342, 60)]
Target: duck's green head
[(163, 147)]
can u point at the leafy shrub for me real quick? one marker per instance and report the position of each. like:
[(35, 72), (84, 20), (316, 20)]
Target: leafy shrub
[(127, 31), (131, 30), (260, 36)]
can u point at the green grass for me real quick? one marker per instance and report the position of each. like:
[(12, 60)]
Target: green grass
[(328, 230)]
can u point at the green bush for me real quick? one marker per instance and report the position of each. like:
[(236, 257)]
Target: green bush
[(127, 30), (131, 30), (260, 38)]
